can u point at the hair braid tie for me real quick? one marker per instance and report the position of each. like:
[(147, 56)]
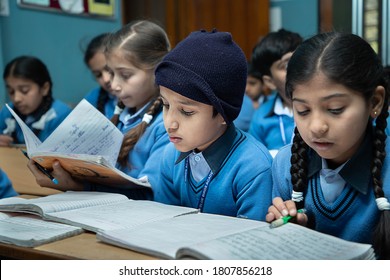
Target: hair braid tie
[(297, 196), (118, 110), (147, 118), (382, 203)]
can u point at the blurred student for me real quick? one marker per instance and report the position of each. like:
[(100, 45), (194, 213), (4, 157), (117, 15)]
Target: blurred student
[(6, 189), (255, 95), (337, 168), (273, 124), (132, 54), (100, 97), (29, 87), (210, 164)]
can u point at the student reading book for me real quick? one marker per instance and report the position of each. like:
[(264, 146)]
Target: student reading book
[(86, 144), (30, 231), (210, 164), (132, 54)]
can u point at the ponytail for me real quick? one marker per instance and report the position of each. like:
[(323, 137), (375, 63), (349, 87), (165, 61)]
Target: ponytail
[(131, 137)]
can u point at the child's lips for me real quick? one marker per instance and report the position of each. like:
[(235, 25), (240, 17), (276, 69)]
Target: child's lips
[(174, 139)]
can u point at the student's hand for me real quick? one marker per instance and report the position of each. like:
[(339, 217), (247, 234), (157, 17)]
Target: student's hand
[(5, 140), (65, 180), (280, 208)]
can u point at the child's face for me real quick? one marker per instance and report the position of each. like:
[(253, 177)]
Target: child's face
[(133, 86), (97, 65), (190, 124), (331, 118), (254, 87), (277, 80), (25, 94)]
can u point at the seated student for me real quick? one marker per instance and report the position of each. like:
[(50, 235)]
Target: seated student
[(29, 86), (338, 165), (132, 54), (6, 189), (273, 124), (255, 95), (95, 59), (210, 165)]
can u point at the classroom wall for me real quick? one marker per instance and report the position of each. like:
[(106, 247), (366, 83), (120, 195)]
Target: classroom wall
[(299, 16), (55, 38)]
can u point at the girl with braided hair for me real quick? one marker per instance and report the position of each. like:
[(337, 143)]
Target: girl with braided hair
[(132, 53), (29, 87), (336, 168), (100, 97)]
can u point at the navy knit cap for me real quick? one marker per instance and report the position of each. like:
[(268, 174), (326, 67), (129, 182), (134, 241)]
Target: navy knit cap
[(208, 67)]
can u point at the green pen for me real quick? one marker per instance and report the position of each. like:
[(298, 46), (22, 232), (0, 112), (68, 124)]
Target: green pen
[(284, 220)]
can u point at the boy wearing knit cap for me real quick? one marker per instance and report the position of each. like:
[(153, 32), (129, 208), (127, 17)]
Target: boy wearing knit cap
[(210, 165)]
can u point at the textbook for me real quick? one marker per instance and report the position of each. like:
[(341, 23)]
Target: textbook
[(94, 211), (175, 232), (30, 231), (86, 144), (208, 236)]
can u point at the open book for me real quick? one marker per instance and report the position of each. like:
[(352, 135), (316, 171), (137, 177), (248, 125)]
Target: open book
[(86, 144), (207, 236), (94, 211), (29, 231)]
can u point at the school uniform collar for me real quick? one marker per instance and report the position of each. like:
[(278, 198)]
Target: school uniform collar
[(354, 173), (216, 153)]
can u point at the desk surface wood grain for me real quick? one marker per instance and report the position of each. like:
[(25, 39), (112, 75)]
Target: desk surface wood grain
[(14, 164)]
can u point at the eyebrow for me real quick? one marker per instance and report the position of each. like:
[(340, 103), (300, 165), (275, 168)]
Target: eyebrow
[(187, 102), (335, 95)]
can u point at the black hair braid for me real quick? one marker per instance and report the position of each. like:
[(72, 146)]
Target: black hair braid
[(131, 137), (102, 100), (381, 236), (45, 106), (298, 168), (115, 117)]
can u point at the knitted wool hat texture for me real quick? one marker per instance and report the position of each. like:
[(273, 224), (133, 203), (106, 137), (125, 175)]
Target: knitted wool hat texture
[(208, 67)]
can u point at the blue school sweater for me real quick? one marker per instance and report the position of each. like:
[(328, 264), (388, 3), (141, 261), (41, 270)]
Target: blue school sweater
[(354, 214), (50, 120), (241, 181), (144, 158), (6, 189), (271, 129), (109, 107)]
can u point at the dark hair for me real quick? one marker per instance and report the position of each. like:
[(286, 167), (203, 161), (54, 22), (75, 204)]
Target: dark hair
[(254, 72), (31, 68), (145, 44), (348, 60), (96, 45), (272, 47)]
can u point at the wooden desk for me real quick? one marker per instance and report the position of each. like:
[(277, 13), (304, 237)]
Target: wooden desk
[(14, 164), (84, 246)]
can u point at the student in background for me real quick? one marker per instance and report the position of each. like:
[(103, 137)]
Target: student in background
[(6, 189), (255, 95), (210, 165), (273, 124), (337, 168), (132, 54), (95, 59), (29, 87)]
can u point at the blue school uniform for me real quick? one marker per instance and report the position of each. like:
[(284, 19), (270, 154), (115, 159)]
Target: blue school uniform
[(109, 107), (353, 213), (46, 124), (239, 185), (244, 118), (6, 189), (270, 127), (144, 158)]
